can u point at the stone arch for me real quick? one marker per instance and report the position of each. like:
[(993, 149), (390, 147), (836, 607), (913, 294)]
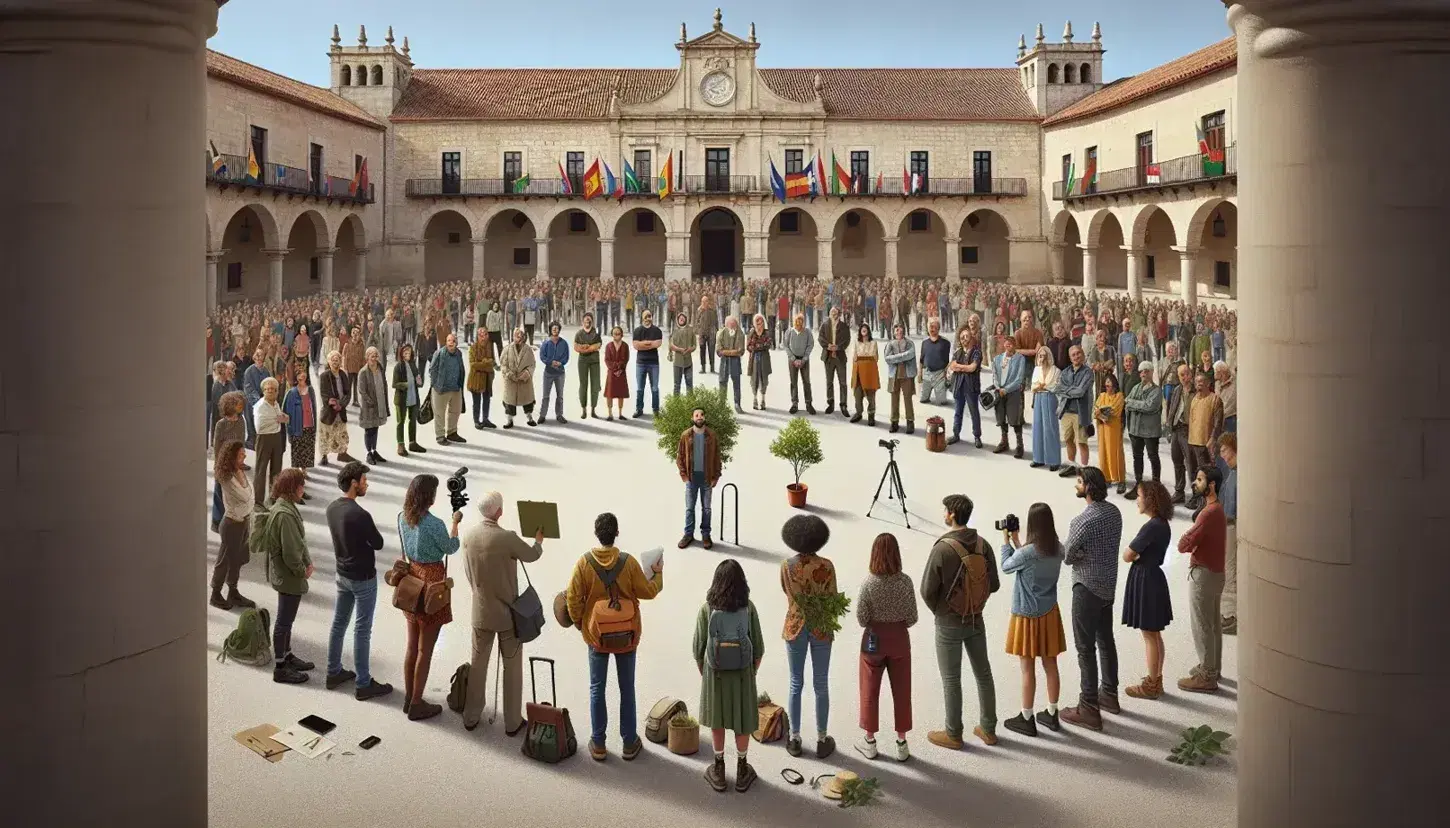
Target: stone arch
[(1085, 73), (244, 272), (717, 244), (1069, 73), (921, 244), (1052, 73), (346, 75), (447, 247), (1112, 259), (361, 76), (308, 237), (1213, 236), (1068, 232), (574, 252), (858, 246), (1060, 224), (317, 223), (509, 248), (640, 245), (271, 238), (351, 237), (548, 219), (791, 246), (984, 252), (376, 78), (1153, 232), (1200, 217), (1095, 225)]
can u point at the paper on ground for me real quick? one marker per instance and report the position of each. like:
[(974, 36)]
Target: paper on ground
[(304, 741)]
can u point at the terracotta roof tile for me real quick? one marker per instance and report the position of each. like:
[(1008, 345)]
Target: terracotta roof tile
[(229, 69), (1205, 61), (575, 94)]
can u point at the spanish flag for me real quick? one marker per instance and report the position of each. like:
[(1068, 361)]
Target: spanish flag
[(593, 181), (254, 170), (667, 177)]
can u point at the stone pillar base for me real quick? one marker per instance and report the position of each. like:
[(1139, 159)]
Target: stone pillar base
[(677, 271)]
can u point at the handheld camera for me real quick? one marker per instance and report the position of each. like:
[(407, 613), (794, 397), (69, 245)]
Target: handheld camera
[(458, 489)]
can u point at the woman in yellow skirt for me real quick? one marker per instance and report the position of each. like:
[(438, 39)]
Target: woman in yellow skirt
[(1109, 414), (865, 375), (1035, 631)]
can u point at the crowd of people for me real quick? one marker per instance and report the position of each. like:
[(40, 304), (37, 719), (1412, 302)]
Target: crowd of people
[(1083, 366)]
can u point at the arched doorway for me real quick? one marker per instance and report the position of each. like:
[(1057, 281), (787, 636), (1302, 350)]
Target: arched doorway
[(792, 244), (302, 269), (640, 248), (509, 246), (447, 248), (1070, 237), (921, 245), (243, 273), (858, 246), (350, 238), (985, 253), (717, 245), (1160, 260), (573, 245), (1218, 250), (1112, 258)]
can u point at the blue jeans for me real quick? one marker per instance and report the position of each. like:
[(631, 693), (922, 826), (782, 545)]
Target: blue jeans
[(686, 374), (216, 503), (820, 651), (1231, 424), (960, 404), (652, 372), (598, 711), (363, 594), (554, 383), (693, 488)]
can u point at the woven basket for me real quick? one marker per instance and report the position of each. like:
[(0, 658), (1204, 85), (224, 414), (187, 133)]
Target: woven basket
[(684, 741)]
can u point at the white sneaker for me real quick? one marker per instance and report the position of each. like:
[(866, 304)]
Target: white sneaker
[(866, 749), (903, 753)]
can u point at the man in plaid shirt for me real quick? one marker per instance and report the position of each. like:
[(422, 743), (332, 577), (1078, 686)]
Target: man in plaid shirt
[(1092, 552)]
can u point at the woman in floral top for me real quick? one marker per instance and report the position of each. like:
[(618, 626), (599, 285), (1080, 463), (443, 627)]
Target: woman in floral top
[(758, 344), (807, 574)]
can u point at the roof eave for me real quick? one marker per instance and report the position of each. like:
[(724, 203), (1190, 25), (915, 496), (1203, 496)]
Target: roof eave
[(297, 100), (1070, 117)]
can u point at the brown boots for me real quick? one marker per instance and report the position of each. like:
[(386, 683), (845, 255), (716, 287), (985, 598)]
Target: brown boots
[(1150, 688)]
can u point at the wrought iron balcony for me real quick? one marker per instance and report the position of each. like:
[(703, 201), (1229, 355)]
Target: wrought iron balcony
[(280, 178), (719, 184), (977, 186), (1188, 169), (552, 186)]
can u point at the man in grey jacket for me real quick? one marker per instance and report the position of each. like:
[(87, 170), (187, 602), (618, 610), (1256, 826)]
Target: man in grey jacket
[(1144, 411), (798, 345), (900, 357)]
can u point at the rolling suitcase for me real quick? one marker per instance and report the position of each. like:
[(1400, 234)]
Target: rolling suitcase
[(549, 736)]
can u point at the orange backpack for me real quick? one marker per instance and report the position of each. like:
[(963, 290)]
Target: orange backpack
[(614, 619), (970, 590)]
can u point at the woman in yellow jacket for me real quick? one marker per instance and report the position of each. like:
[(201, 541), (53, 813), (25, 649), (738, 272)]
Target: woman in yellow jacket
[(1109, 413), (480, 378), (604, 576)]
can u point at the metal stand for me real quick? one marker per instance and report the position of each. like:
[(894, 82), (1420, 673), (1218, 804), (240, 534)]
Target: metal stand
[(897, 491), (724, 509)]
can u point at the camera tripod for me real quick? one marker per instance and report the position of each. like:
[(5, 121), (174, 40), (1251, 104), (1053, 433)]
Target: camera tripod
[(891, 475)]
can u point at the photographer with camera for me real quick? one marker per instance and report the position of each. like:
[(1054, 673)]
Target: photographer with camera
[(426, 543), (1035, 631)]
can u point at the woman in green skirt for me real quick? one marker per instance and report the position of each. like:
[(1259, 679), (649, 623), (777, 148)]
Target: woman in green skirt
[(728, 647)]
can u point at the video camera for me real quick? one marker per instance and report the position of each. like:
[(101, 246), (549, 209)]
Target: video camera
[(458, 489), (1010, 523), (889, 445)]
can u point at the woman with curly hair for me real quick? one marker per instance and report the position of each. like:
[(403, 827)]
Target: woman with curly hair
[(237, 505), (1147, 606), (728, 646), (886, 610), (807, 574), (427, 543)]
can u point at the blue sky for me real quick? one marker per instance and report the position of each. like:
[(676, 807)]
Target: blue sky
[(292, 36)]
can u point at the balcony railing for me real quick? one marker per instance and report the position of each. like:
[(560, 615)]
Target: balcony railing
[(1185, 170), (709, 184), (720, 183), (498, 187), (861, 188), (284, 179)]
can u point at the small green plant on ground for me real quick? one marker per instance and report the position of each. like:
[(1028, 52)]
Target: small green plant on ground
[(1199, 745), (823, 612), (798, 444), (674, 418), (859, 792), (762, 700), (684, 721)]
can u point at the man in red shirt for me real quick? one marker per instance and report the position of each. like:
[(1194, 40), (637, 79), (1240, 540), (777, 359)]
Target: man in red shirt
[(1204, 543)]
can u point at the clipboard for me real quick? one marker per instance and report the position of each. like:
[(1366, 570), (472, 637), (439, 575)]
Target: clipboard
[(536, 514), (259, 740)]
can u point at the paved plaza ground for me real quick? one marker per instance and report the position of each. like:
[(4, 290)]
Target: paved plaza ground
[(434, 773)]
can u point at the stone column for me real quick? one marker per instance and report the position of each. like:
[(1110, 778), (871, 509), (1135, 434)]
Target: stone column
[(362, 268), (479, 248), (275, 259), (757, 256), (824, 258), (212, 257), (1187, 275), (677, 254), (954, 258), (1057, 262), (1137, 264), (1342, 516), (1089, 268), (541, 253), (890, 242), (606, 258), (106, 644), (324, 268)]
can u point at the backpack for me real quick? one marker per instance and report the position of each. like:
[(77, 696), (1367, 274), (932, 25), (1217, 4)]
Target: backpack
[(614, 619), (458, 688), (251, 642), (972, 586), (657, 724), (258, 541), (729, 647)]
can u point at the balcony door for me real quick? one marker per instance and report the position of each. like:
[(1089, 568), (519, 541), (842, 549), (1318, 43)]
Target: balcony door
[(314, 168), (452, 173), (982, 171), (717, 173)]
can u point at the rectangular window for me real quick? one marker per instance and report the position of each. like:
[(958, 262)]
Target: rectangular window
[(259, 149), (314, 269), (920, 167), (1222, 274), (795, 161), (644, 222), (1152, 269), (522, 256), (1066, 168), (452, 172), (513, 169), (790, 222), (642, 168), (920, 221), (315, 179), (578, 222), (1090, 170), (860, 171), (970, 255), (717, 170), (455, 238), (1214, 131), (574, 169), (982, 171), (1145, 156), (234, 276)]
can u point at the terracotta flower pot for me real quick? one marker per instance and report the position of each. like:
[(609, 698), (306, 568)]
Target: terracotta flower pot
[(795, 495), (683, 741)]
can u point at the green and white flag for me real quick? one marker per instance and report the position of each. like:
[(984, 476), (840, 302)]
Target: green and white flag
[(521, 184)]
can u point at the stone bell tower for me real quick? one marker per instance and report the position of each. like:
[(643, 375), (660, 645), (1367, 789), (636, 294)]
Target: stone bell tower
[(1057, 75), (373, 77)]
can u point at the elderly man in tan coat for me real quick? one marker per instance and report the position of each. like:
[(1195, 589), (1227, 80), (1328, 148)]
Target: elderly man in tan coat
[(491, 555), (516, 376)]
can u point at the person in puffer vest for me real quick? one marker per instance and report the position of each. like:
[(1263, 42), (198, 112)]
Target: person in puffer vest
[(595, 608)]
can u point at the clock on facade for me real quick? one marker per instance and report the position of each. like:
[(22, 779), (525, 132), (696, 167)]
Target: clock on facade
[(717, 88)]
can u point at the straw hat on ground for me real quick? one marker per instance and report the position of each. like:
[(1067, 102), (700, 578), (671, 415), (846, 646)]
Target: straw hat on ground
[(835, 788)]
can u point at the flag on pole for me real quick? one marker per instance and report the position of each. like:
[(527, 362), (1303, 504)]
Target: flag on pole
[(905, 183), (593, 181), (821, 182), (840, 178), (218, 164), (521, 184), (798, 184), (565, 187), (1153, 173), (254, 170), (666, 184), (613, 187), (915, 183), (777, 184), (880, 182), (359, 184), (1071, 178), (1213, 162), (813, 180), (631, 180)]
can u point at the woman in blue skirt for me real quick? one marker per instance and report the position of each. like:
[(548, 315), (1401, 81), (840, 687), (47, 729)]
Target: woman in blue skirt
[(1046, 443)]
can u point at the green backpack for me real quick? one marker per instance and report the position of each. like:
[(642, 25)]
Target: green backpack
[(251, 642), (258, 538)]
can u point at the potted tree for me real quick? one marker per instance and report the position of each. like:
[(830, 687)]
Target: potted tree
[(800, 445)]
